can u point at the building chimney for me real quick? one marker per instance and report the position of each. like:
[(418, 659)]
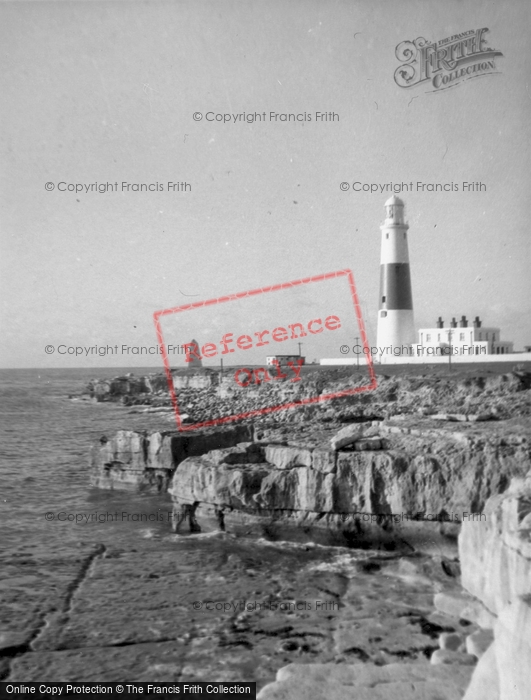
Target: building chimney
[(463, 323), (440, 323), (453, 323), (477, 322)]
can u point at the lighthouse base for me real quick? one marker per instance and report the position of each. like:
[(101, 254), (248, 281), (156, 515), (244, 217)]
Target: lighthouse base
[(396, 332)]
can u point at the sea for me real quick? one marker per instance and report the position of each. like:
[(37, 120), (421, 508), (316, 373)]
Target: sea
[(45, 438)]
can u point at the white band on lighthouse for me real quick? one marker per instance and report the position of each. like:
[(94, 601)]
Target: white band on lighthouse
[(396, 326)]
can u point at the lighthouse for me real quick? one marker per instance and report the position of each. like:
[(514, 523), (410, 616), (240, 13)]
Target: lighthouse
[(395, 309)]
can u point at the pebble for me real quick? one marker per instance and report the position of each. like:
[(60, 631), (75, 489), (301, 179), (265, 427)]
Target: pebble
[(450, 641)]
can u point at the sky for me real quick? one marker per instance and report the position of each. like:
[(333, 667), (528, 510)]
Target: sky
[(106, 92)]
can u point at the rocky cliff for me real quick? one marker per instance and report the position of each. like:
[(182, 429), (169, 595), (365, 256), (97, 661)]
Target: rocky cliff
[(150, 389), (496, 568), (394, 482), (146, 462), (415, 488)]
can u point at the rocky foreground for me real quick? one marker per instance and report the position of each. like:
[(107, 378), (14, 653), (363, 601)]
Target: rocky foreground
[(422, 480), (495, 559), (206, 395), (403, 470)]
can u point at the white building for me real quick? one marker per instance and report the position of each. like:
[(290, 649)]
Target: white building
[(464, 340)]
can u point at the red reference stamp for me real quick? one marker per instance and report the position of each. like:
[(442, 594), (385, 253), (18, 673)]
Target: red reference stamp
[(323, 327)]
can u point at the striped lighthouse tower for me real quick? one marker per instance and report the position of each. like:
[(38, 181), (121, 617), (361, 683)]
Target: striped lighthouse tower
[(395, 316)]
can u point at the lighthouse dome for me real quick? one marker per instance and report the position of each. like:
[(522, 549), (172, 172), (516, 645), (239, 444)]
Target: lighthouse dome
[(393, 201)]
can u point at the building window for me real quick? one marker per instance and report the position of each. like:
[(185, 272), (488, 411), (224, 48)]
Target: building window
[(428, 337), (461, 336), (387, 235), (383, 314), (383, 300)]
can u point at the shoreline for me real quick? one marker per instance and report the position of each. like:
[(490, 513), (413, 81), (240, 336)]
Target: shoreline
[(407, 423)]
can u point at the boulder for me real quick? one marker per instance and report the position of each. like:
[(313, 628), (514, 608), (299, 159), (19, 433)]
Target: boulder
[(346, 436)]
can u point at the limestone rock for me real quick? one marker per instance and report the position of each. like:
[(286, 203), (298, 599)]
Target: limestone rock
[(324, 460), (496, 565), (450, 641), (153, 662), (495, 553), (346, 436), (243, 453), (461, 417), (451, 604), (226, 485), (114, 389), (429, 480), (447, 656), (146, 462), (368, 682), (484, 684), (478, 642), (513, 649), (368, 444), (403, 491), (476, 612), (287, 457)]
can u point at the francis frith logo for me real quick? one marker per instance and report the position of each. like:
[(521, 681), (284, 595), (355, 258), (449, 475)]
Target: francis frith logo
[(445, 63)]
